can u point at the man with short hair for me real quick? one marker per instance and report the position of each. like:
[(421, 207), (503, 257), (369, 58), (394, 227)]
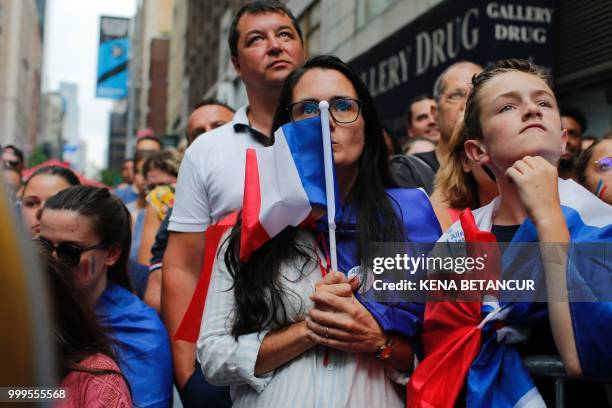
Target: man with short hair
[(450, 92), (148, 143), (575, 123), (266, 46), (126, 191), (207, 115), (421, 122), (127, 173)]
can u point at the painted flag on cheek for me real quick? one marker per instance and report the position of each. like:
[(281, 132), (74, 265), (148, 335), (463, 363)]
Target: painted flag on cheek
[(282, 184)]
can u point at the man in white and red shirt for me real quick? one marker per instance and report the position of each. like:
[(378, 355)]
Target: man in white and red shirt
[(266, 46)]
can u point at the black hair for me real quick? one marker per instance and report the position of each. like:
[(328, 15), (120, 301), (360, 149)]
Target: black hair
[(258, 7), (414, 100), (575, 114), (258, 287), (58, 171), (395, 143), (16, 151), (212, 101), (110, 220)]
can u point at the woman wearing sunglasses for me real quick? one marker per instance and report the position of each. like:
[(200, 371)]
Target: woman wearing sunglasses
[(594, 169), (85, 360), (88, 228), (273, 329)]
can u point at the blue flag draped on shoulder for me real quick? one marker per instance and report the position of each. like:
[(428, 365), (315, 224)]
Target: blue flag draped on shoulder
[(141, 343), (477, 340)]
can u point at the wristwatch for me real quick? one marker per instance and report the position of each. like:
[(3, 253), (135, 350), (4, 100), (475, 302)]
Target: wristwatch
[(385, 351)]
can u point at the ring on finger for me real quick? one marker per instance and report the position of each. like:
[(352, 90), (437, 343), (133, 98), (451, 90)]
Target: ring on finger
[(327, 332)]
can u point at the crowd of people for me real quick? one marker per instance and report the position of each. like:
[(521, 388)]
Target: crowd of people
[(282, 328)]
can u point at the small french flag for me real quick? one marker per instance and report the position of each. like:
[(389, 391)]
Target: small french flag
[(282, 183)]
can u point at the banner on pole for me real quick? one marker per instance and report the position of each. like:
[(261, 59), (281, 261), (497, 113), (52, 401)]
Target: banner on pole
[(113, 50)]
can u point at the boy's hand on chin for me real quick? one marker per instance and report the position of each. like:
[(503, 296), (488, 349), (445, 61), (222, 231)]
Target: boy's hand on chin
[(537, 184)]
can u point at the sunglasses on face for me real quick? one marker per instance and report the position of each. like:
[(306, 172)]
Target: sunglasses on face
[(10, 164), (604, 165), (67, 252)]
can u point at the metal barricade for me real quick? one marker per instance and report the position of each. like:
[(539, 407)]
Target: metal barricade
[(551, 367)]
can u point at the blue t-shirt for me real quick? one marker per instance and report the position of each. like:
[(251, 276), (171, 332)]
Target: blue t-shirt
[(126, 194)]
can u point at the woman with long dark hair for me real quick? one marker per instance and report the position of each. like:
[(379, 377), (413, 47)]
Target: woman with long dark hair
[(272, 327), (85, 360), (89, 229)]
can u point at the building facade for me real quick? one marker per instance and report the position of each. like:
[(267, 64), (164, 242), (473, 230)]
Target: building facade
[(178, 86), (116, 135), (584, 61), (52, 124), (209, 70), (153, 21), (73, 147), (157, 95), (20, 72), (399, 47), (381, 38)]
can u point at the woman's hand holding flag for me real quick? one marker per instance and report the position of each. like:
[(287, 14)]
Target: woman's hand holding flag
[(339, 320)]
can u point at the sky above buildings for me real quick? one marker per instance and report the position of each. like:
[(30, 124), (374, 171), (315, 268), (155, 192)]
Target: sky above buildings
[(71, 54)]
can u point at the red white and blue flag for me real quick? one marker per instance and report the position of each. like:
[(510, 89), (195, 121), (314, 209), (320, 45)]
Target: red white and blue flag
[(470, 345), (282, 183)]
